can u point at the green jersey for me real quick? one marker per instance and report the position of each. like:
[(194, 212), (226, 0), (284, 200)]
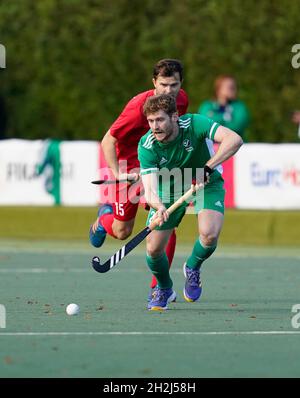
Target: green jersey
[(180, 161)]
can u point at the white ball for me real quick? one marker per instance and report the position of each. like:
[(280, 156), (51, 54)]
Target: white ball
[(72, 309)]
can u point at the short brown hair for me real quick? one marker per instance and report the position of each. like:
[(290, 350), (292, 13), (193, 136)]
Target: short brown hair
[(167, 68), (162, 102)]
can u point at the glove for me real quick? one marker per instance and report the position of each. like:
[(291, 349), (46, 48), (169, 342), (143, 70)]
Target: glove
[(207, 172)]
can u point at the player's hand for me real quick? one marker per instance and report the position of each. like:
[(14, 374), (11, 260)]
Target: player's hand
[(145, 206), (131, 177), (95, 225), (161, 215), (207, 173)]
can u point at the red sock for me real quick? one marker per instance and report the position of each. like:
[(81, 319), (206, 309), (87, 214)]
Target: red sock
[(107, 221), (170, 251)]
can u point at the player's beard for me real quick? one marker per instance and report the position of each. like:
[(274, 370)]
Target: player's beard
[(166, 132)]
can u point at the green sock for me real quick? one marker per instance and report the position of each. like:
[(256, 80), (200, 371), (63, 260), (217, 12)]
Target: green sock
[(159, 267), (199, 254)]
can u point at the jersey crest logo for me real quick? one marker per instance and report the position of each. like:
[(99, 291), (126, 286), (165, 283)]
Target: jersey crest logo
[(187, 144)]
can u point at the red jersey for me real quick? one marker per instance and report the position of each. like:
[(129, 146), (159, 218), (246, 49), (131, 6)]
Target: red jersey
[(132, 124)]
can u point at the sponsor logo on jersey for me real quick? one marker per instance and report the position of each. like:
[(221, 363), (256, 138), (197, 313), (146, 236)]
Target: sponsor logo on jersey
[(163, 160), (219, 203)]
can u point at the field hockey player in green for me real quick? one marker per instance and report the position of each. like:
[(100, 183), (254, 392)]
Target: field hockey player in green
[(181, 148)]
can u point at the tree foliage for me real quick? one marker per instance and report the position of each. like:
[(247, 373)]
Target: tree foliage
[(72, 64)]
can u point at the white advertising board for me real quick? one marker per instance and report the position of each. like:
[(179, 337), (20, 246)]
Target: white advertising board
[(267, 176), (19, 182)]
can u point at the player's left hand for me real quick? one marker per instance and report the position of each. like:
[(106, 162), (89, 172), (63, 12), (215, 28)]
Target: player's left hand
[(207, 173), (95, 225)]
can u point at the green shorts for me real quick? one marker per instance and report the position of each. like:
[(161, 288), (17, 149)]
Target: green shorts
[(212, 198)]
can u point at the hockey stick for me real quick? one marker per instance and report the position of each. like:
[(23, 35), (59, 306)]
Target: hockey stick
[(99, 182), (120, 254)]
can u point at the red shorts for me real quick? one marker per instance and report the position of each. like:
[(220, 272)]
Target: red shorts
[(127, 200)]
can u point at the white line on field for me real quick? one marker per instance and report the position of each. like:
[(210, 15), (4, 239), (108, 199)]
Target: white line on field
[(74, 270), (61, 270), (232, 333), (87, 268), (41, 270), (246, 253)]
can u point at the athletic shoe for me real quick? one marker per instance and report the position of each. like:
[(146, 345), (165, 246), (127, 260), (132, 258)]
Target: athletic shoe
[(152, 292), (97, 239), (193, 287), (161, 298)]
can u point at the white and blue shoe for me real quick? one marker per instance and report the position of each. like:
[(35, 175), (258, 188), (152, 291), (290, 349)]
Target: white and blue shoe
[(152, 292), (193, 286), (97, 239), (161, 298)]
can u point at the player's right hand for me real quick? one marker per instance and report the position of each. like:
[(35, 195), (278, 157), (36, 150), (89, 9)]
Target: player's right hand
[(161, 215)]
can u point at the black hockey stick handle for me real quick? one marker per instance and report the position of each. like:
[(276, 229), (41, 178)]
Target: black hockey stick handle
[(99, 182)]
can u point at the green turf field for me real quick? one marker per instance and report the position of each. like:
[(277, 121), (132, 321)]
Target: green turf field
[(257, 228), (240, 328)]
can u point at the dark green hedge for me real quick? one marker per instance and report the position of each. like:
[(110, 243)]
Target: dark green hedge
[(73, 64)]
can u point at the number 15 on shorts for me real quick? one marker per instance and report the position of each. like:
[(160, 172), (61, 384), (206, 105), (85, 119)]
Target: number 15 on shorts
[(119, 209)]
